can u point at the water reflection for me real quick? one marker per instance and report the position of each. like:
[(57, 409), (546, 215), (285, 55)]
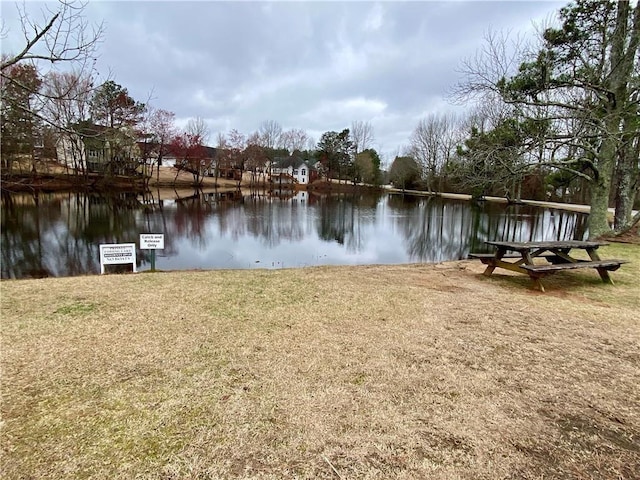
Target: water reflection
[(60, 234)]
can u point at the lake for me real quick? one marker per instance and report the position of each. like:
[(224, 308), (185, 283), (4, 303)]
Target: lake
[(59, 234)]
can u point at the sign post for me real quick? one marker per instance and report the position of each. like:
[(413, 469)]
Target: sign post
[(153, 242), (117, 253)]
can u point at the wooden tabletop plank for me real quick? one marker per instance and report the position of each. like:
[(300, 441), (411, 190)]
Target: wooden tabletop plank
[(523, 246)]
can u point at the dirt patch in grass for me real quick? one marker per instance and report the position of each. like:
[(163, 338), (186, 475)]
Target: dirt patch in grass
[(412, 371), (630, 236)]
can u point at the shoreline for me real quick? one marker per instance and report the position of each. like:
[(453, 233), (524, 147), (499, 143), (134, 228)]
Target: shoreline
[(48, 183), (180, 184), (571, 207)]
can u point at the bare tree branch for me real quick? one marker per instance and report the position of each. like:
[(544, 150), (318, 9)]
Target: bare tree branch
[(362, 135), (65, 36)]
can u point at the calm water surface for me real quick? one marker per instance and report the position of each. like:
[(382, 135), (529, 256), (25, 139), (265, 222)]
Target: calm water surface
[(60, 234)]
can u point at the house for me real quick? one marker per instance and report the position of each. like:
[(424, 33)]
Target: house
[(292, 170), (100, 149), (200, 157)]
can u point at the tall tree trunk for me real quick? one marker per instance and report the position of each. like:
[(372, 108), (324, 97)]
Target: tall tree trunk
[(627, 169), (600, 189), (627, 177), (622, 62)]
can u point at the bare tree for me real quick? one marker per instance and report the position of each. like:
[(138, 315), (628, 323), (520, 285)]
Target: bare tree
[(231, 155), (221, 140), (63, 35), (236, 140), (253, 139), (294, 139), (428, 146), (486, 116), (198, 127), (160, 129), (311, 143), (270, 132), (453, 137), (361, 135), (255, 162), (498, 57), (69, 96), (222, 146)]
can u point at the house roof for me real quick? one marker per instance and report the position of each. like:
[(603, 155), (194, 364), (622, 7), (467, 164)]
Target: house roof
[(211, 152), (291, 161), (87, 128)]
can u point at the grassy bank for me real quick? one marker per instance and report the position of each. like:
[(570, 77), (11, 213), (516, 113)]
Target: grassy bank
[(417, 371)]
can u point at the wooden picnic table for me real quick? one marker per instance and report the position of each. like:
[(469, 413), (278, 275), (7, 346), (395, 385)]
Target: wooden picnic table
[(557, 255)]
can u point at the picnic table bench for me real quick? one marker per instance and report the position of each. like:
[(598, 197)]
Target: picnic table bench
[(557, 255)]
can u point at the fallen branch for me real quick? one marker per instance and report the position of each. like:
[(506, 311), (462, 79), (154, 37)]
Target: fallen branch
[(332, 467)]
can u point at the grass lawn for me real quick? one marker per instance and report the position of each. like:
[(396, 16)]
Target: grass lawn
[(410, 371)]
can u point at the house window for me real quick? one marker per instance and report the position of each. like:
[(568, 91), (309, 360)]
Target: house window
[(304, 172), (295, 171)]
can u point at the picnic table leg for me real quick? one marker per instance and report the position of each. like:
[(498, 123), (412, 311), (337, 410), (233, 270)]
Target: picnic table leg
[(604, 274), (490, 268), (537, 282), (528, 260)]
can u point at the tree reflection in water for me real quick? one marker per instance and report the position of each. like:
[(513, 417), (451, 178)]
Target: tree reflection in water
[(438, 230), (59, 234)]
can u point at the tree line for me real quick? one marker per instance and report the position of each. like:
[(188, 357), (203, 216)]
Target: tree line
[(66, 114)]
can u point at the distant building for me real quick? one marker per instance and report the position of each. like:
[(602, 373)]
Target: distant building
[(96, 148), (292, 170)]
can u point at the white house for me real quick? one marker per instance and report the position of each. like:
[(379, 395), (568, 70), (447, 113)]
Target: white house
[(292, 170)]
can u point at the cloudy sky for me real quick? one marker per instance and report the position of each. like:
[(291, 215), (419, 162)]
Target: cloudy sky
[(312, 65)]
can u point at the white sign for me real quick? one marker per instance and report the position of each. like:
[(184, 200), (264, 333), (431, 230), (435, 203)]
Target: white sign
[(152, 241), (117, 253)]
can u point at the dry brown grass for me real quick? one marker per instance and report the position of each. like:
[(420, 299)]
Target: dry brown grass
[(418, 371), (170, 177)]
